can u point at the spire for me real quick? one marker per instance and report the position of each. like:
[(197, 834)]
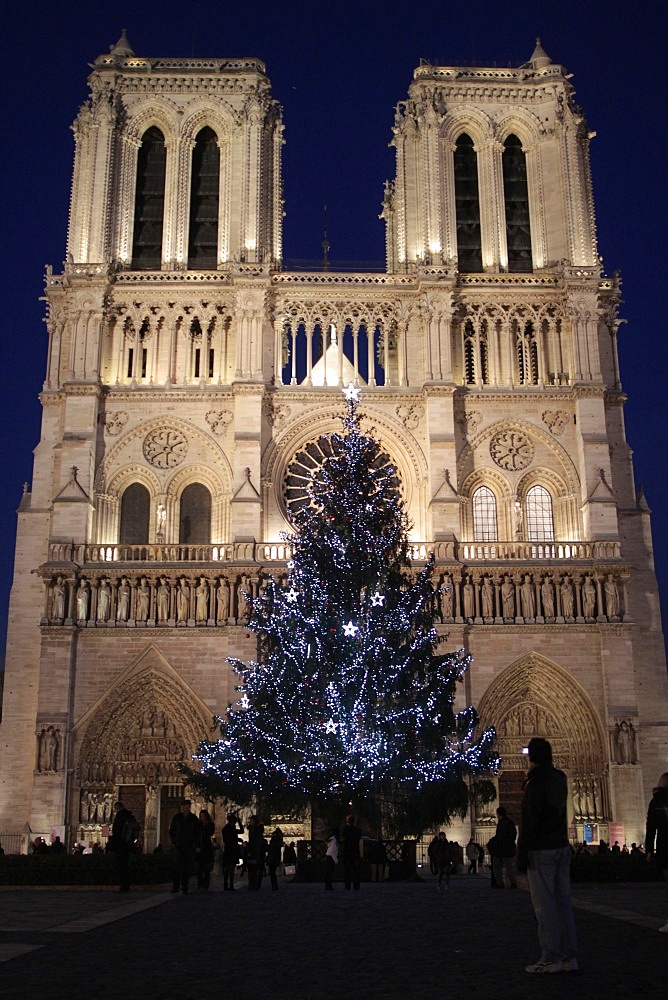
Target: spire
[(325, 243), (122, 47), (539, 58)]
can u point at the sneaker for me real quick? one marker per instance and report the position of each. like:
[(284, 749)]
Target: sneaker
[(570, 965), (664, 929), (546, 967)]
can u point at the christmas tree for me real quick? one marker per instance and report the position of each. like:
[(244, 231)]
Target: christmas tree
[(350, 704)]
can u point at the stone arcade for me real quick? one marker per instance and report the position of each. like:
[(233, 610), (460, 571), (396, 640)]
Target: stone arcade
[(191, 379)]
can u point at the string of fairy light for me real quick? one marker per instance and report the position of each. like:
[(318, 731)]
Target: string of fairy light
[(349, 690)]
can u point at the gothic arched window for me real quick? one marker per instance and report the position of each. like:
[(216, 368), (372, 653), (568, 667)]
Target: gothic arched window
[(527, 354), (149, 200), (484, 515), (467, 206), (135, 512), (204, 197), (538, 515), (195, 515), (516, 200)]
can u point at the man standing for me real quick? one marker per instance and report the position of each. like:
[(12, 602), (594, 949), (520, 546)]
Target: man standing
[(120, 845), (504, 849), (350, 852), (544, 853), (183, 833)]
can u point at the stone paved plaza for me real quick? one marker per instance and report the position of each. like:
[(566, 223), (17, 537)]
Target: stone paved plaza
[(391, 940)]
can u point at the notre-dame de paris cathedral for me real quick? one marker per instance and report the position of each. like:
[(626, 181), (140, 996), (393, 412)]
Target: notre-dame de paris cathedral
[(191, 378)]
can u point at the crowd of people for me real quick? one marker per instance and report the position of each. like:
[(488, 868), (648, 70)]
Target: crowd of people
[(540, 849)]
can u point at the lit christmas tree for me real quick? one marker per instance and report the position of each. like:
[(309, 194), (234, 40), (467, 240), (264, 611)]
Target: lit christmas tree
[(350, 704)]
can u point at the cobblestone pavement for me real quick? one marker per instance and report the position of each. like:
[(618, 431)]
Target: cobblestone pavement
[(386, 941)]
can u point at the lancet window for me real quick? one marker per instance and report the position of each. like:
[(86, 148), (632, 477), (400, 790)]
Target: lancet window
[(516, 200), (526, 347), (538, 515), (204, 201), (476, 352), (149, 201), (467, 206), (135, 512), (485, 525), (195, 515)]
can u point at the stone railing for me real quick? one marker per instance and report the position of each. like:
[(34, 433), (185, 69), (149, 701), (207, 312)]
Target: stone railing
[(536, 551), (237, 552), (273, 552)]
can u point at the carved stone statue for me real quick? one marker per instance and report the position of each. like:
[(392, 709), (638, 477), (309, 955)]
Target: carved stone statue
[(508, 597), (151, 809), (624, 743), (92, 806), (83, 594), (202, 600), (566, 591), (518, 517), (242, 600), (611, 597), (487, 597), (107, 803), (163, 600), (528, 599), (143, 600), (183, 601), (547, 597), (103, 601), (469, 598), (446, 590), (51, 745), (588, 597), (222, 602), (123, 609), (58, 598), (160, 521)]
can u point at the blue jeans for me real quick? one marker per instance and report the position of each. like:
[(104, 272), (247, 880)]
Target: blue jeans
[(550, 884)]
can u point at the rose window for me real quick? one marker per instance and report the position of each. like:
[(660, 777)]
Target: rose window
[(511, 450), (165, 449)]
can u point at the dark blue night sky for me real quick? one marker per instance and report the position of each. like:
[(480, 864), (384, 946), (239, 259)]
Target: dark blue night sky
[(338, 69)]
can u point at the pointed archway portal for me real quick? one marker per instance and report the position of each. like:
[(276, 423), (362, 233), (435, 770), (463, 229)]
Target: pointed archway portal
[(130, 744), (534, 696)]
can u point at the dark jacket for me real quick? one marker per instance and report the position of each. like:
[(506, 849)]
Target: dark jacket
[(275, 849), (231, 845), (350, 842), (184, 831), (205, 832), (543, 826), (441, 853), (657, 827), (505, 837), (117, 843)]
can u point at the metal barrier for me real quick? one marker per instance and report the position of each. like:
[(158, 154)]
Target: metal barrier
[(12, 842)]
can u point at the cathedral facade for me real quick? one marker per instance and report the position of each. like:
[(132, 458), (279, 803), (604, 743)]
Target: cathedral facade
[(191, 381)]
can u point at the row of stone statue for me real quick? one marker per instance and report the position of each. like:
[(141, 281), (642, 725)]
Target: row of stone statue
[(96, 806), (529, 598), (162, 600)]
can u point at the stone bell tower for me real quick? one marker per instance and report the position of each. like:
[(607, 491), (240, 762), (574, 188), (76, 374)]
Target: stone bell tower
[(191, 385)]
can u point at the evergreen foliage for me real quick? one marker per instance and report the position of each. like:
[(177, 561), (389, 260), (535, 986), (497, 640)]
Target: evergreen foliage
[(350, 704)]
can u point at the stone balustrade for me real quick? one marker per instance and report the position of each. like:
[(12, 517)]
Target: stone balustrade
[(272, 552)]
